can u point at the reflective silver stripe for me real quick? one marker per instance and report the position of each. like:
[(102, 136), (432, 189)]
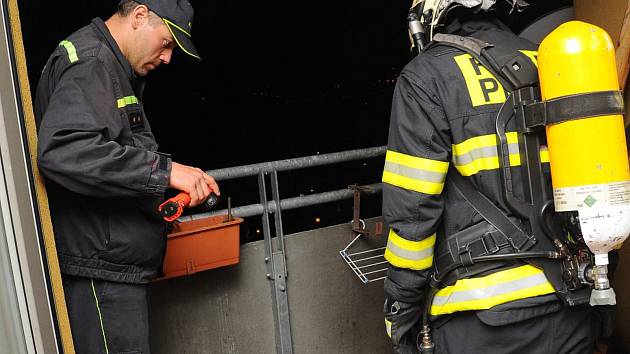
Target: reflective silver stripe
[(424, 175), (482, 152), (409, 255), (488, 292), (404, 253)]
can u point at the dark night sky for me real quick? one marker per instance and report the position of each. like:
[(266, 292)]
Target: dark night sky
[(278, 80)]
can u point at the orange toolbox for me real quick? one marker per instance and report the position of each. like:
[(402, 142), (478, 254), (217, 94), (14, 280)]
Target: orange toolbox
[(202, 244)]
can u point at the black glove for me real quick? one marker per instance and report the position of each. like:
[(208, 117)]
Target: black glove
[(403, 322)]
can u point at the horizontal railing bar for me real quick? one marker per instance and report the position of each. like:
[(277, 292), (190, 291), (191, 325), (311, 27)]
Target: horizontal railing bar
[(295, 163), (287, 204)]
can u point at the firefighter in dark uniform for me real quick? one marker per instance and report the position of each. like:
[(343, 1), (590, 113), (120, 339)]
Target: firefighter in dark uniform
[(443, 115), (104, 176)]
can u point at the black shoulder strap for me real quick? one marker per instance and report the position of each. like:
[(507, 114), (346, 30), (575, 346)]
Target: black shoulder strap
[(562, 109), (511, 67), (514, 70), (517, 238)]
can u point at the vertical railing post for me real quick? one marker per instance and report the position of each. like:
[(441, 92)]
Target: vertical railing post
[(275, 260)]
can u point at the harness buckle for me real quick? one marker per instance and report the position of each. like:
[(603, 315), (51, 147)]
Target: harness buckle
[(486, 244), (465, 255), (521, 241), (489, 243)]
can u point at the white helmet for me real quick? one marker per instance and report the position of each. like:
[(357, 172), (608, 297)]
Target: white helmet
[(430, 13)]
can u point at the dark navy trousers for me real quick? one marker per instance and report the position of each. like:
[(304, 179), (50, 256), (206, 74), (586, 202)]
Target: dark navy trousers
[(571, 330), (107, 317)]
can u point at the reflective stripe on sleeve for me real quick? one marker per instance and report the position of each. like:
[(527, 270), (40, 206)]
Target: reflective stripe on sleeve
[(485, 292), (402, 253), (414, 173), (480, 153), (72, 51), (125, 101), (388, 328)]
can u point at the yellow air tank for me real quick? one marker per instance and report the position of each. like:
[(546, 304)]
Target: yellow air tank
[(588, 157)]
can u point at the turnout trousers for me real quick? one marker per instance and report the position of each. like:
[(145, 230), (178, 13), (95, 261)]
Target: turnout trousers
[(570, 330), (107, 317)]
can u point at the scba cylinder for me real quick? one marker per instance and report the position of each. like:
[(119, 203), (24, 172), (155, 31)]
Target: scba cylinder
[(588, 156)]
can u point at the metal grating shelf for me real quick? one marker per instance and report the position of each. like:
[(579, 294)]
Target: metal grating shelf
[(368, 265)]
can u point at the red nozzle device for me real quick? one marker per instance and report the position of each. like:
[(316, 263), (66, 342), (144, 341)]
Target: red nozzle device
[(173, 208)]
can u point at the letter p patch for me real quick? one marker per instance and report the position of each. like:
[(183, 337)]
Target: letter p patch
[(483, 87)]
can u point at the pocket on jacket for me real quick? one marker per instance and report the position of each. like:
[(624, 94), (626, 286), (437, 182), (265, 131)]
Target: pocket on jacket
[(135, 236)]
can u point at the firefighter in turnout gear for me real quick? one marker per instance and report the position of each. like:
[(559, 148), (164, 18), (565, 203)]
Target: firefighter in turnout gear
[(443, 122)]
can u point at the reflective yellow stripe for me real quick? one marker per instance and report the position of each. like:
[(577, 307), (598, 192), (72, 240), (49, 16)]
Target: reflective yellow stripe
[(481, 141), (414, 185), (483, 87), (125, 101), (388, 328), (414, 173), (544, 154), (403, 253), (480, 153), (100, 318), (168, 25), (176, 26), (416, 162), (72, 51), (494, 289)]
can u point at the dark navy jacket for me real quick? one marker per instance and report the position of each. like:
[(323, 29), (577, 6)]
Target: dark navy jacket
[(443, 115), (98, 156)]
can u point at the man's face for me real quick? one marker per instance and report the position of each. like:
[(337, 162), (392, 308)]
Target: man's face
[(153, 45)]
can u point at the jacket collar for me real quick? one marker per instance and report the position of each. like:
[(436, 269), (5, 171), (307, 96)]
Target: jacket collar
[(136, 82), (471, 24), (102, 29)]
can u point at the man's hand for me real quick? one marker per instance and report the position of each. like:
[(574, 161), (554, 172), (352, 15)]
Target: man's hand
[(193, 181)]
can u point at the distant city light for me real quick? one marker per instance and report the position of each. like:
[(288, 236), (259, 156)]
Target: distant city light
[(317, 220), (257, 231)]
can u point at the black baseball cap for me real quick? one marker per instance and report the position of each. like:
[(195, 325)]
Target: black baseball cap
[(178, 16)]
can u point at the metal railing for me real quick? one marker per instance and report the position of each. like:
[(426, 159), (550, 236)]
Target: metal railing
[(289, 165), (275, 253)]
